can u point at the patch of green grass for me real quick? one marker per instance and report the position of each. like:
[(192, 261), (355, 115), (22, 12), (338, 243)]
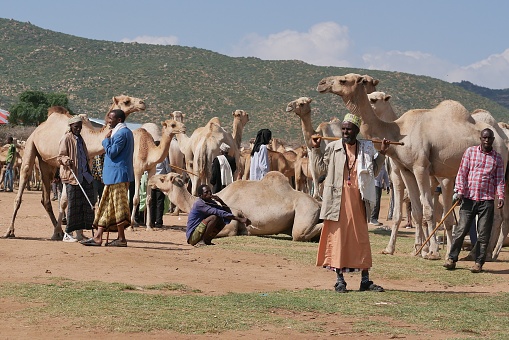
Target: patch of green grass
[(93, 303)]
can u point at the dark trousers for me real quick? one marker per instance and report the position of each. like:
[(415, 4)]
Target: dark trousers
[(157, 206), (376, 208), (98, 189), (468, 211)]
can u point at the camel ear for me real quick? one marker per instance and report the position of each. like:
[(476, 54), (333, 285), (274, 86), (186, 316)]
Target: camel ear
[(360, 79), (387, 97), (183, 115), (115, 100), (164, 124), (310, 100), (376, 82)]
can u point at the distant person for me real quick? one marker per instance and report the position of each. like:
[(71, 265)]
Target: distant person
[(9, 165), (157, 196), (260, 164), (97, 172), (223, 168), (381, 182), (75, 174), (480, 178), (207, 217), (118, 171)]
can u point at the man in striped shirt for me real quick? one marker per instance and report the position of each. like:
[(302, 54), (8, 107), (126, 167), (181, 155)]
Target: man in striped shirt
[(480, 177)]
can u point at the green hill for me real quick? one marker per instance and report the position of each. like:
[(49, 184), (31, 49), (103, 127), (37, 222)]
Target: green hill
[(198, 82)]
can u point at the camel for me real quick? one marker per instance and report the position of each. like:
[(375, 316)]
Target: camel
[(175, 155), (426, 152), (147, 155), (383, 109), (240, 119), (271, 205), (43, 144)]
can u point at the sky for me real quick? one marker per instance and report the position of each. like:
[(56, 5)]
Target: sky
[(452, 40)]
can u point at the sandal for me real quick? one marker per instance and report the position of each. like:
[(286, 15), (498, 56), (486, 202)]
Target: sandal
[(371, 286), (116, 243), (340, 287), (90, 242)]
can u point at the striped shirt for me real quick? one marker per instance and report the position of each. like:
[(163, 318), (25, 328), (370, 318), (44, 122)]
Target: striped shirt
[(481, 175)]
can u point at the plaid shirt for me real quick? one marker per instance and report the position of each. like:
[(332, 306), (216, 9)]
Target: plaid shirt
[(480, 175)]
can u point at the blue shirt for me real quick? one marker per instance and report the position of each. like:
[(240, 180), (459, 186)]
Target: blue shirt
[(201, 210)]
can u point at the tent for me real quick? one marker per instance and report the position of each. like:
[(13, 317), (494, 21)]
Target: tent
[(4, 116)]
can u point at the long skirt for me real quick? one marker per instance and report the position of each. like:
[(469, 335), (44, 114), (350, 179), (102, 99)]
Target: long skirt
[(344, 244), (113, 211), (80, 215)]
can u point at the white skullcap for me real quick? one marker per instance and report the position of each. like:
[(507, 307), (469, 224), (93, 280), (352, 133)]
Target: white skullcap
[(224, 147)]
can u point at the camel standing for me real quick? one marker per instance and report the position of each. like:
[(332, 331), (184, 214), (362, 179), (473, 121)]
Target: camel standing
[(146, 156), (43, 144), (271, 205), (426, 151)]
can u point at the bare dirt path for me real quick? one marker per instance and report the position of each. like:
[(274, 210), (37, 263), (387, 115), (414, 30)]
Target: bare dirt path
[(160, 256)]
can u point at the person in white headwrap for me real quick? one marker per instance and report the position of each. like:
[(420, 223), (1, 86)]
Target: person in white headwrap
[(223, 168), (73, 155), (350, 165)]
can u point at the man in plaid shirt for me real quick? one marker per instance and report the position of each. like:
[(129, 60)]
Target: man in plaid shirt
[(480, 177)]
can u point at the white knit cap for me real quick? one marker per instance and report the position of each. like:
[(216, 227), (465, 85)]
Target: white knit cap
[(224, 147)]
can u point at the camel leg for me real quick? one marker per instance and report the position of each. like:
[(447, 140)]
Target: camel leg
[(398, 187), (500, 243), (48, 173), (62, 206), (447, 186), (136, 199), (497, 230), (149, 202)]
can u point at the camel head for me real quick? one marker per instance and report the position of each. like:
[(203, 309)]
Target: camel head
[(370, 83), (379, 100), (301, 107), (165, 183), (171, 126), (127, 104), (178, 116), (343, 86), (242, 116)]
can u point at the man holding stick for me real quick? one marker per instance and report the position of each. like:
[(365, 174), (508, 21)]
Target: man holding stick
[(74, 171), (350, 165), (480, 177)]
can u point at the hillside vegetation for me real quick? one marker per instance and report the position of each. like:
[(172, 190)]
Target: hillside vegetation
[(198, 82)]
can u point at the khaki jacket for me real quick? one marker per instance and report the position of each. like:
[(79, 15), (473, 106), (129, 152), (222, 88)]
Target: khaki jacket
[(68, 150), (332, 163)]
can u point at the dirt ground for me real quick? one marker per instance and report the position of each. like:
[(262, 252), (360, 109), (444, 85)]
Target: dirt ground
[(159, 256)]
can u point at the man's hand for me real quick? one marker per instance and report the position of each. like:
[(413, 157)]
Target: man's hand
[(316, 140), (217, 199), (244, 220), (457, 198), (69, 163), (108, 135), (500, 203)]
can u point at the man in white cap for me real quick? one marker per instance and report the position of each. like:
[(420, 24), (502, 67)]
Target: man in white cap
[(223, 168), (350, 165), (75, 171)]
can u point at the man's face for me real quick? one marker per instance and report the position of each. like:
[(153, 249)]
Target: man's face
[(76, 128), (349, 132), (487, 139), (112, 120), (207, 194)]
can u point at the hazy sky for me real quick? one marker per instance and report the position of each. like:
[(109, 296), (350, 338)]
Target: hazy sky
[(451, 40)]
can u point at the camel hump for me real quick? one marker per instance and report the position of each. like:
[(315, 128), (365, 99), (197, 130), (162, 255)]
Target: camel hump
[(58, 110), (275, 179)]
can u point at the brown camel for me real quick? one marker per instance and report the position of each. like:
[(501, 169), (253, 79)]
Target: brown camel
[(43, 144), (426, 152), (271, 205)]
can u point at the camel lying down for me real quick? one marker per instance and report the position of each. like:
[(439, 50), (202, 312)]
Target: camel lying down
[(271, 205)]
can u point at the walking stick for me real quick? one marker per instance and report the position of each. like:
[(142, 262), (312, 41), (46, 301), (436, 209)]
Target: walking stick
[(83, 190), (372, 140), (438, 225), (176, 167)]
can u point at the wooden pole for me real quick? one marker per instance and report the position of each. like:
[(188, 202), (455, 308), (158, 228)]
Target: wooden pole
[(176, 167), (373, 140), (438, 225)]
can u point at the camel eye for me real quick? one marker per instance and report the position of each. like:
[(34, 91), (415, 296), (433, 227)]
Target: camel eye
[(342, 82)]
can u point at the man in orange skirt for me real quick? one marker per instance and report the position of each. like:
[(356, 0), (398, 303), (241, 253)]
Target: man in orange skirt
[(351, 166)]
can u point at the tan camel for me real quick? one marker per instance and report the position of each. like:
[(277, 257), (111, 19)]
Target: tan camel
[(271, 205), (147, 155), (175, 154), (426, 152), (240, 119), (43, 144)]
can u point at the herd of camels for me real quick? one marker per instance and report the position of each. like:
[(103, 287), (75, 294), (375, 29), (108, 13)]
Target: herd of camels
[(282, 202)]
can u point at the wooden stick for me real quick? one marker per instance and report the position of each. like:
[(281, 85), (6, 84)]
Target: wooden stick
[(373, 140), (438, 225), (176, 167)]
